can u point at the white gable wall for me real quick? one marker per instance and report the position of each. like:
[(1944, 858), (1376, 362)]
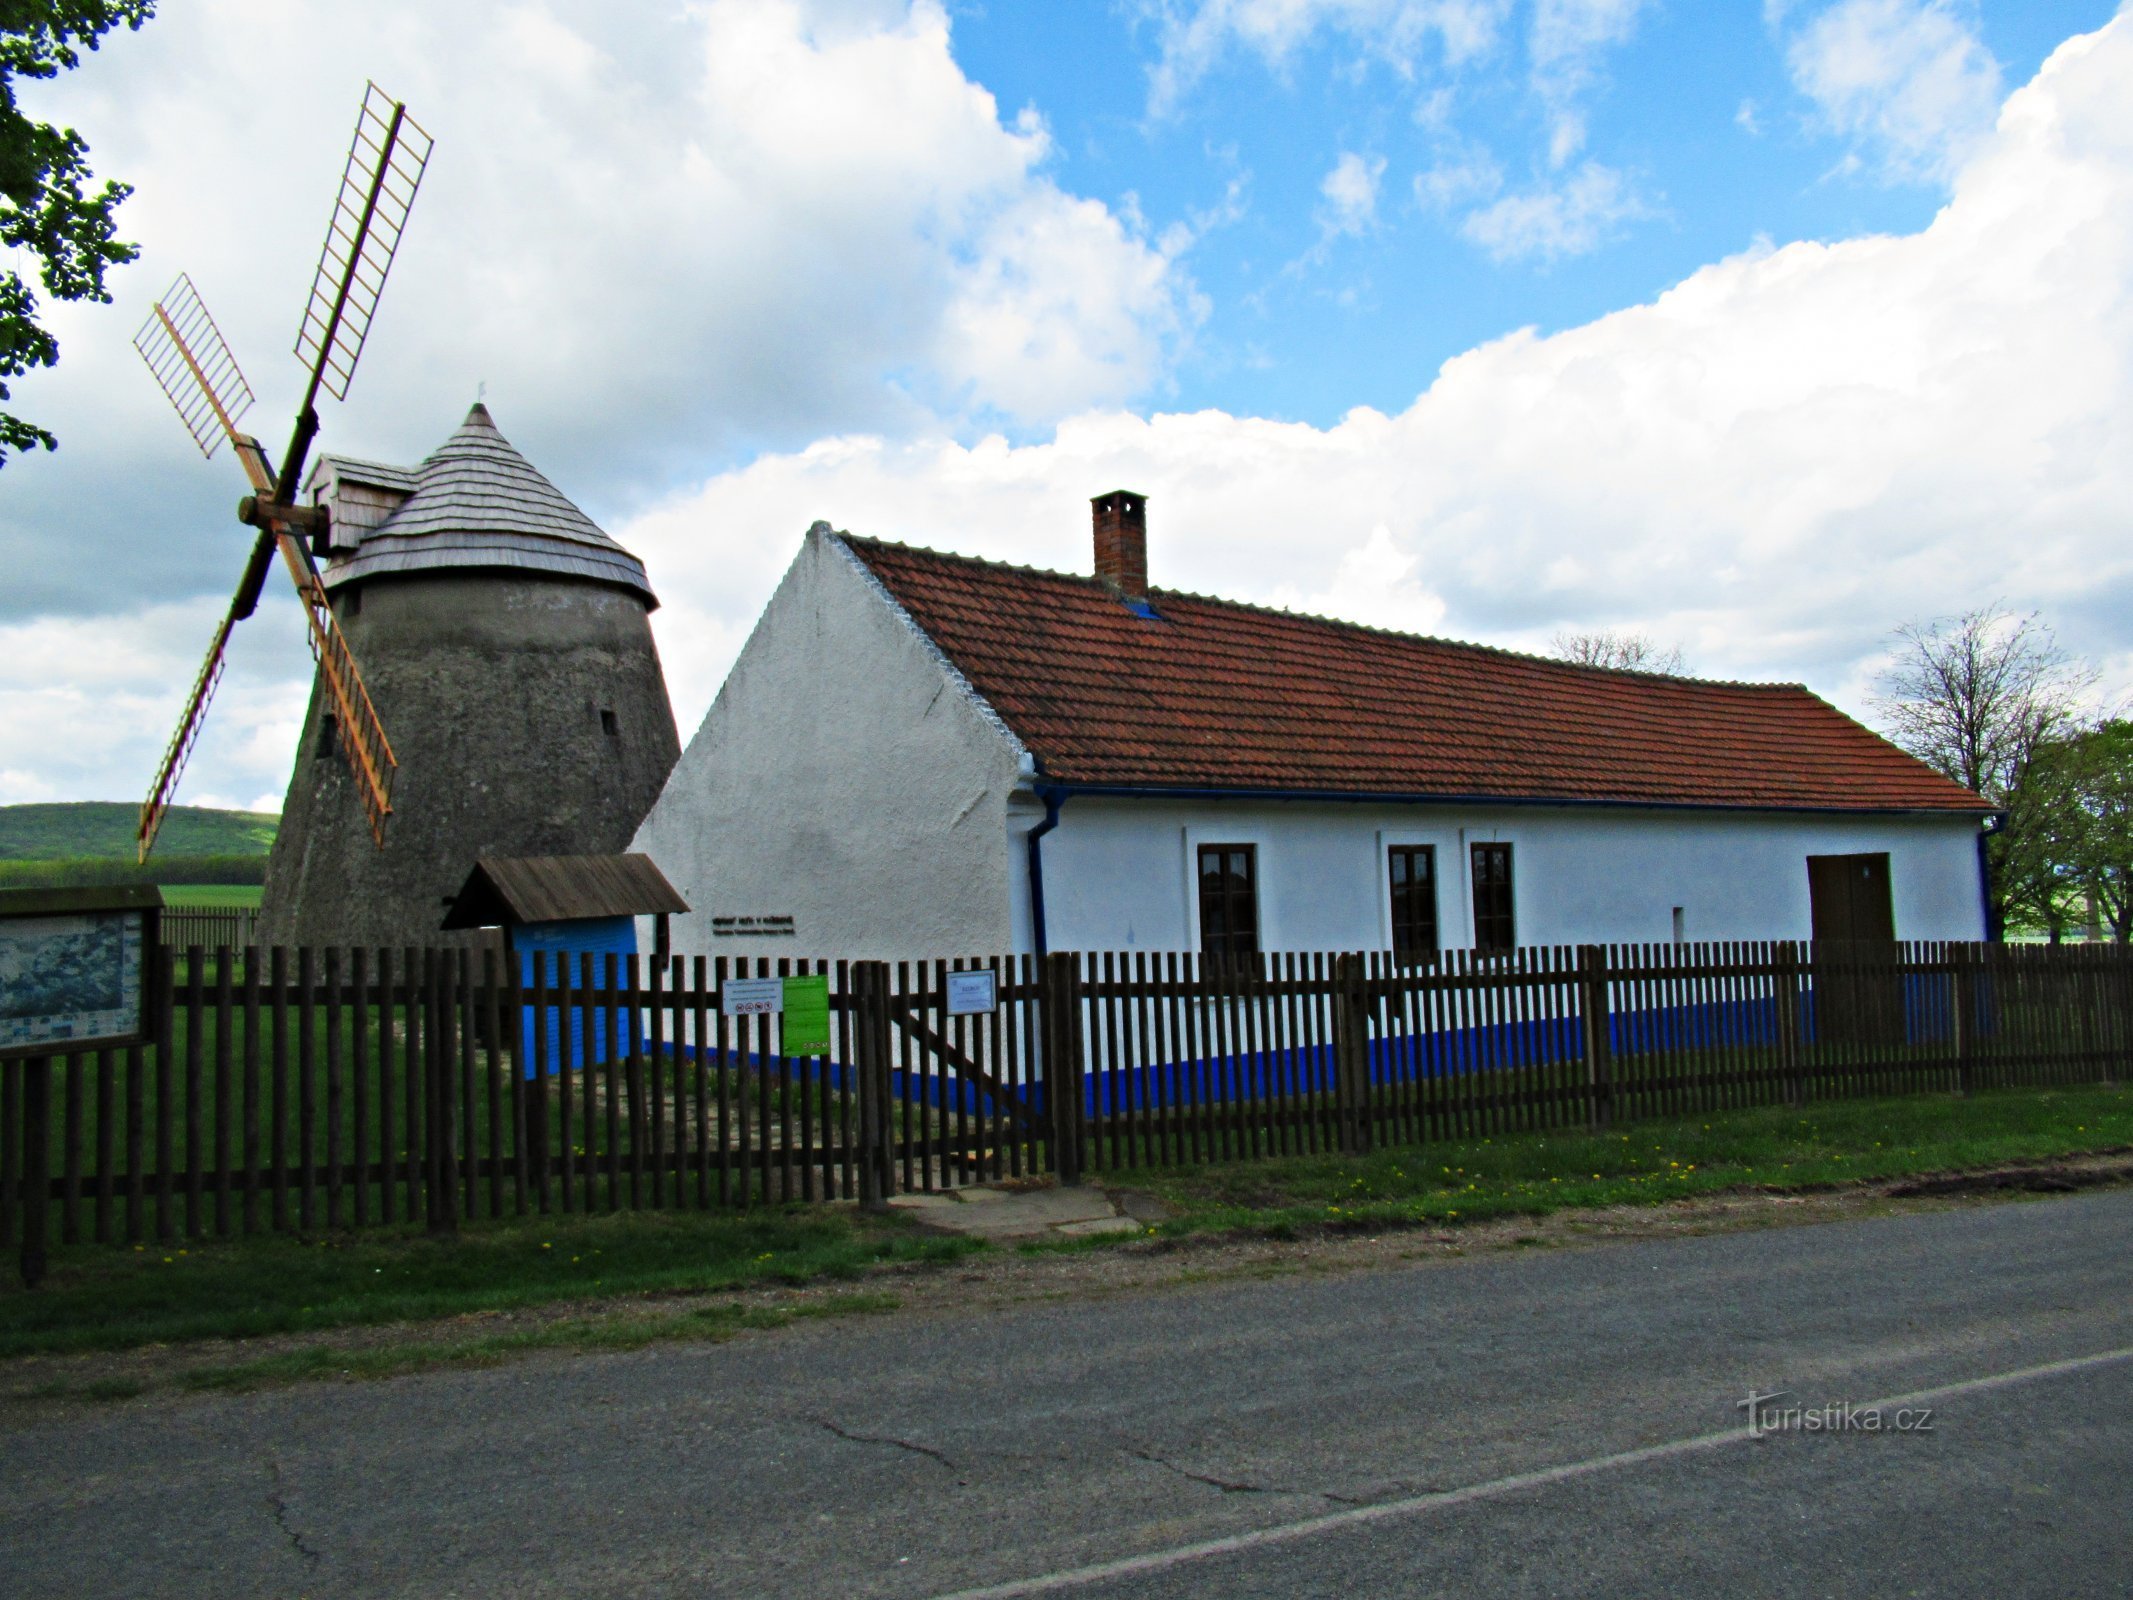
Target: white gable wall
[(1118, 873), (845, 778)]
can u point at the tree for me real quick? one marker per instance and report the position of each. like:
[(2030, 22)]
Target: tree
[(2095, 767), (1977, 698), (44, 207), (1630, 652)]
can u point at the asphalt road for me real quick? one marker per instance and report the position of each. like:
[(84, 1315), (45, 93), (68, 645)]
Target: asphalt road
[(1553, 1423)]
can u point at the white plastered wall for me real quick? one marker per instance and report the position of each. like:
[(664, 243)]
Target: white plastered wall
[(1118, 872), (845, 777)]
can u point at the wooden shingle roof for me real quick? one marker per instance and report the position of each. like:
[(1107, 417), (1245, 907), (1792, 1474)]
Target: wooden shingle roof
[(1219, 696), (478, 503)]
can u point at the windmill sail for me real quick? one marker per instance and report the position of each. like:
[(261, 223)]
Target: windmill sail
[(181, 744), (362, 736), (192, 363), (386, 160)]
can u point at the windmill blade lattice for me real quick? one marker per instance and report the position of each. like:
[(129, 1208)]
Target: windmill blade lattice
[(181, 744), (385, 166), (193, 366), (361, 735)]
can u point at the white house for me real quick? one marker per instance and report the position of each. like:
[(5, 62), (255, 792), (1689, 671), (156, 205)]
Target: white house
[(921, 754)]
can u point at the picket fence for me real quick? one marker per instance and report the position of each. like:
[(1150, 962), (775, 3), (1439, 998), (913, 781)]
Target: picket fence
[(314, 1090)]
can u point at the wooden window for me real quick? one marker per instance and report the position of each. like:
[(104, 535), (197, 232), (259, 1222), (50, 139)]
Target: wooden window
[(1495, 928), (1229, 903), (1412, 873)]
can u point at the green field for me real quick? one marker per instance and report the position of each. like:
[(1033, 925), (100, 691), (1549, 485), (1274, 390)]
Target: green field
[(104, 830), (92, 842), (212, 894)]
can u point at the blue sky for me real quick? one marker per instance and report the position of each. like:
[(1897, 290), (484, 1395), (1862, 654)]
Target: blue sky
[(1695, 107), (1760, 328)]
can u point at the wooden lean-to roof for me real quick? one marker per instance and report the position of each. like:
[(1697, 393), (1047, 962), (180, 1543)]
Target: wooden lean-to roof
[(511, 891), (1213, 695)]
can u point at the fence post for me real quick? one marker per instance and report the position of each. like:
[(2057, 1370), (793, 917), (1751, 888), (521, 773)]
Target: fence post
[(870, 1034), (1792, 1061), (443, 1121), (1059, 1007), (1964, 958), (36, 1166), (1594, 1005), (1351, 1053)]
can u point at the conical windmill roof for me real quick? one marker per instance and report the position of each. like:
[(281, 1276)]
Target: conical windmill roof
[(478, 503)]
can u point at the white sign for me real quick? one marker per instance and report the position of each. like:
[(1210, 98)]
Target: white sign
[(971, 994), (752, 997)]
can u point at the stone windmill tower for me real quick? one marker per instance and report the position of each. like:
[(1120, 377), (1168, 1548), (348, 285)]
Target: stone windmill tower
[(506, 645)]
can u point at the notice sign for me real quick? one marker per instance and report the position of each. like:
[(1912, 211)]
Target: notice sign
[(972, 994), (72, 980), (806, 1030), (752, 997)]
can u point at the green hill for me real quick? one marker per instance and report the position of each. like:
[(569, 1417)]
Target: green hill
[(103, 830)]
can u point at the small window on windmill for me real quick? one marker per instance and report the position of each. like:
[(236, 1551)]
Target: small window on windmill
[(352, 603), (329, 736), (609, 726)]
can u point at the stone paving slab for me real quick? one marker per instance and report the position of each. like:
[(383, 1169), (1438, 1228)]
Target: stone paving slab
[(1022, 1211)]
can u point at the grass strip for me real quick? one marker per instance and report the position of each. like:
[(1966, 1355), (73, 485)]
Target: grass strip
[(98, 1298), (1646, 1163)]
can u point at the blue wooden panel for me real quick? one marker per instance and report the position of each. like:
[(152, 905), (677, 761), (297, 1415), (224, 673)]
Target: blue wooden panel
[(555, 944)]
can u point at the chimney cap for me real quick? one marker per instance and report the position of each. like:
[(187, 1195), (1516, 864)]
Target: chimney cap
[(1127, 498)]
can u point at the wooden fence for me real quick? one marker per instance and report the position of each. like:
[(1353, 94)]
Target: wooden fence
[(312, 1090), (208, 926)]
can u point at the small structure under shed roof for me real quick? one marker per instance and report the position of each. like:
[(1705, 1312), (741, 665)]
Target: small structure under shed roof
[(567, 919)]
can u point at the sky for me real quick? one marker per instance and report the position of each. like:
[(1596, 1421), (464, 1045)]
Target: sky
[(1760, 328)]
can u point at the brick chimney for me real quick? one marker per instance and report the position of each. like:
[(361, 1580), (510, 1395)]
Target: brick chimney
[(1122, 542)]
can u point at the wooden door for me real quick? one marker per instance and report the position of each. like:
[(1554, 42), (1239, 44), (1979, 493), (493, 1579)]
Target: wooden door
[(1858, 996)]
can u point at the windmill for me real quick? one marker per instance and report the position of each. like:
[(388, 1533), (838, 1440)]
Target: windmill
[(191, 361)]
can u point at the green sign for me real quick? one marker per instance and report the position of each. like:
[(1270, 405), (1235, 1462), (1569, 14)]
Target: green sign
[(807, 1016)]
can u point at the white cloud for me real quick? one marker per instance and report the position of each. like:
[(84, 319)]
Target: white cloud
[(1909, 82), (728, 225), (1193, 35), (1570, 217), (1350, 192), (1463, 174), (1774, 462), (1568, 39)]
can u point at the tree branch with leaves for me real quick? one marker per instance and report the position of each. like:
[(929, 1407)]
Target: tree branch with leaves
[(1980, 698), (47, 208)]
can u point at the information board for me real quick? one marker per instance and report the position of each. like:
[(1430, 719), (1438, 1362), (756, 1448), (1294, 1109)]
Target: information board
[(752, 997), (972, 994), (806, 1028), (74, 968)]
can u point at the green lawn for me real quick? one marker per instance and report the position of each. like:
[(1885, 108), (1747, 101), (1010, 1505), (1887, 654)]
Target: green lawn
[(98, 1298), (1647, 1162)]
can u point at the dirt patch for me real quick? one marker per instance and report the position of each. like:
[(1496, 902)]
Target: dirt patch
[(1007, 1276)]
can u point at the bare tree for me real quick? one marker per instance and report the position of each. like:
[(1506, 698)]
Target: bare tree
[(1977, 698), (1604, 647), (1974, 696)]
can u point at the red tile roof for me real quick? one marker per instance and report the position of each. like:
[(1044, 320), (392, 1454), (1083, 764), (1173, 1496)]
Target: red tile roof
[(1219, 695)]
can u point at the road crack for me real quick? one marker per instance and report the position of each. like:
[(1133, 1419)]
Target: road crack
[(925, 1450), (280, 1507), (1237, 1486)]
